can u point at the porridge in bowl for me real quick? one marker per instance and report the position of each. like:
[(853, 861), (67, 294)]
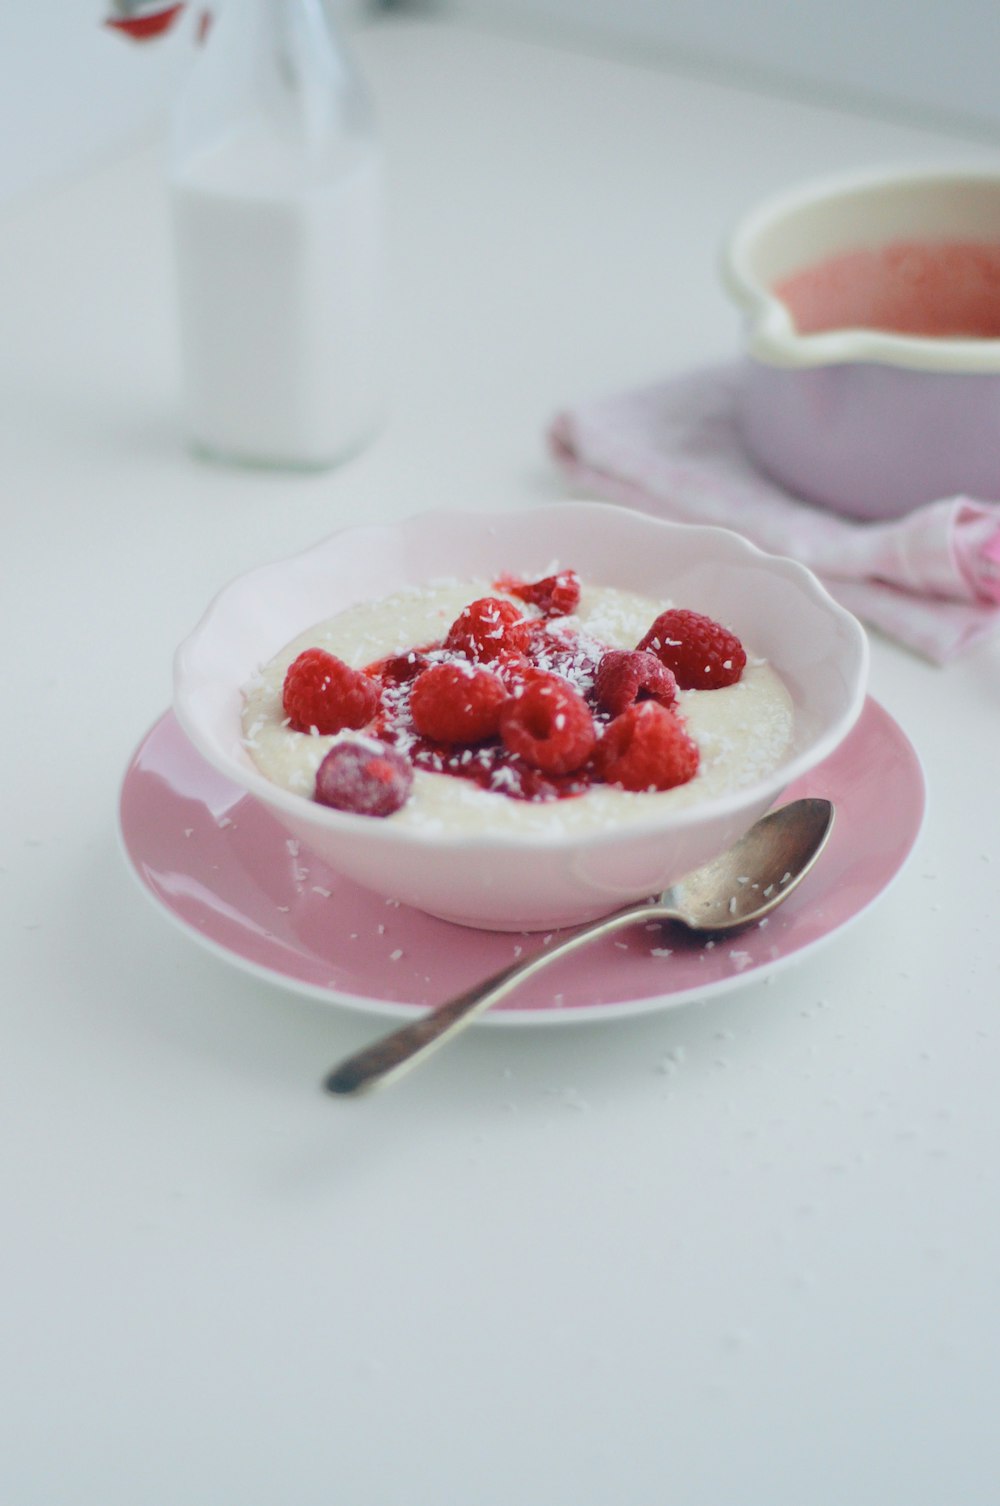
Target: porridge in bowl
[(505, 705)]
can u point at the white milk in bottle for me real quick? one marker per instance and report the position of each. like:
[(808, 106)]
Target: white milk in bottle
[(276, 200)]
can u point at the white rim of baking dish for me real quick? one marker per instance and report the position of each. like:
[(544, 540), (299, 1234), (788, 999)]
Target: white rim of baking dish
[(771, 335)]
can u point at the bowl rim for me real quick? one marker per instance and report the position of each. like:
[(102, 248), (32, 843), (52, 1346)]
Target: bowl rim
[(661, 823), (772, 337)]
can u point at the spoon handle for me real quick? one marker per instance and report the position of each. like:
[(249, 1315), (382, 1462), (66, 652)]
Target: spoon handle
[(401, 1049)]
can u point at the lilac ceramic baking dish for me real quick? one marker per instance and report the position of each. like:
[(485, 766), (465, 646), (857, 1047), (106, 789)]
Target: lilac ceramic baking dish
[(873, 338)]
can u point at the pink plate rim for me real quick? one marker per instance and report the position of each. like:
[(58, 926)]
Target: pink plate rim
[(219, 866)]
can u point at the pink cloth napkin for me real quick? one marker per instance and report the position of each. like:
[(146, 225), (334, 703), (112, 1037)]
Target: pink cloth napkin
[(931, 580)]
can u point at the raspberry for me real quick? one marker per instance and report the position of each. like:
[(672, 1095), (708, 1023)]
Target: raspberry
[(367, 779), (647, 748), (626, 675), (399, 669), (556, 650), (322, 692), (487, 629), (457, 703), (513, 669), (548, 725), (702, 654), (555, 595)]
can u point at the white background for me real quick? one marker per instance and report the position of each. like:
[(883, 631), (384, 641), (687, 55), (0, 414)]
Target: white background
[(901, 55), (742, 1254), (71, 91)]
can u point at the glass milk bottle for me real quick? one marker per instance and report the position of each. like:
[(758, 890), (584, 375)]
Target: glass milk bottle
[(275, 189)]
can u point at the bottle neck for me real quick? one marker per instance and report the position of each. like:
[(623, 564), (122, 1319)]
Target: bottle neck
[(277, 67)]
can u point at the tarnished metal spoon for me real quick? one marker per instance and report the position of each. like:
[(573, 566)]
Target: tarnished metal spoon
[(741, 886)]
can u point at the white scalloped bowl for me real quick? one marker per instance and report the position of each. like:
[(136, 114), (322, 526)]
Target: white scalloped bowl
[(516, 881)]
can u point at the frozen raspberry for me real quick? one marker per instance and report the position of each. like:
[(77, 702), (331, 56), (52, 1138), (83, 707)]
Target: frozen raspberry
[(646, 748), (367, 779), (549, 725), (626, 675), (322, 692), (457, 702), (555, 595), (702, 654), (487, 629)]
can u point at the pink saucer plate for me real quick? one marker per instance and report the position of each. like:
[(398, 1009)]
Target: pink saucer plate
[(222, 868)]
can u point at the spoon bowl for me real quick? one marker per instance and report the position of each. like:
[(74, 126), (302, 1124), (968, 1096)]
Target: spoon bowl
[(741, 886), (753, 876)]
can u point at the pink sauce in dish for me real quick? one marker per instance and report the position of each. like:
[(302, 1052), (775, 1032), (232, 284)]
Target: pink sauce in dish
[(947, 289)]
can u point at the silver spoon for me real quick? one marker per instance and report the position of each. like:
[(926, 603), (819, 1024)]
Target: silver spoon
[(741, 886)]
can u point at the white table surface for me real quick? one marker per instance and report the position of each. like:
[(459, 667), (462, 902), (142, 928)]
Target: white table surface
[(543, 1269)]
